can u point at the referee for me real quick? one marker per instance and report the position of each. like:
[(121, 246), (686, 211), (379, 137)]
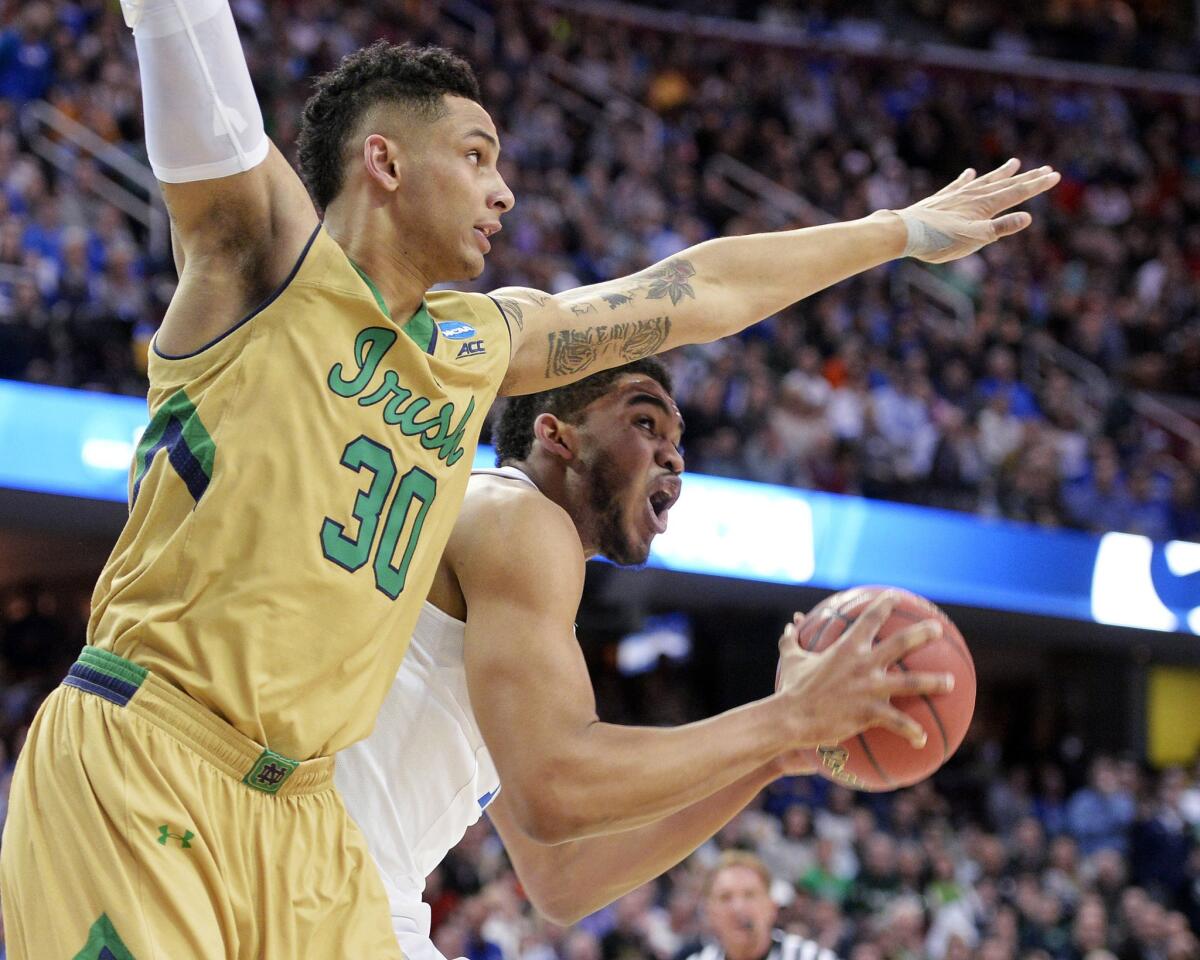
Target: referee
[(741, 916)]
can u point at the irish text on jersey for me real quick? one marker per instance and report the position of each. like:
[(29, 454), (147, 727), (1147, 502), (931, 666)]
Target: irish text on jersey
[(401, 408)]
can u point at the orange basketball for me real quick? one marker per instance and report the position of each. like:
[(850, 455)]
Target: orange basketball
[(878, 759)]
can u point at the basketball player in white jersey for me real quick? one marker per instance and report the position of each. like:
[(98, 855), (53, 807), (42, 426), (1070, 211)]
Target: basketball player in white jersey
[(494, 690)]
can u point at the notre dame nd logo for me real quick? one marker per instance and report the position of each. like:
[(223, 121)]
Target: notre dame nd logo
[(270, 772), (272, 775)]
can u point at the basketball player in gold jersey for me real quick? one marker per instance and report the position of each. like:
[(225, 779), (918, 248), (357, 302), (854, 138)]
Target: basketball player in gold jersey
[(314, 409)]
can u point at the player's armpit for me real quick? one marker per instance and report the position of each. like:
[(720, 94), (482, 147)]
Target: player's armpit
[(239, 213), (237, 239)]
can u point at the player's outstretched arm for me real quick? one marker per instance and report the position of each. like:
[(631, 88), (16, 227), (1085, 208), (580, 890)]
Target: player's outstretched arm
[(239, 214), (722, 286), (568, 776)]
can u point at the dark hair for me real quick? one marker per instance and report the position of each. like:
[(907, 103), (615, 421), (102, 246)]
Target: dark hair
[(514, 432), (416, 77)]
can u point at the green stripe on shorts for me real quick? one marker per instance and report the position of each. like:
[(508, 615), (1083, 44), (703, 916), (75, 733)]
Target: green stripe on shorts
[(109, 663)]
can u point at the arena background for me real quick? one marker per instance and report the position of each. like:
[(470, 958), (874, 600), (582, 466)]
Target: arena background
[(1017, 436)]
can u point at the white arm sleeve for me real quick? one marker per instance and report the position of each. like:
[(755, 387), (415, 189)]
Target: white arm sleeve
[(201, 115)]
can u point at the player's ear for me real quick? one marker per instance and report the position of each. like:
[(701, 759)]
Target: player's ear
[(557, 437), (381, 161)]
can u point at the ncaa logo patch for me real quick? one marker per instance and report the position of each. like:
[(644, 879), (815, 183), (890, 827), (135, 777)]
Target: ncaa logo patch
[(456, 330)]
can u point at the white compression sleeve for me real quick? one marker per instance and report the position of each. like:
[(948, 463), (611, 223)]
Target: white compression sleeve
[(201, 115)]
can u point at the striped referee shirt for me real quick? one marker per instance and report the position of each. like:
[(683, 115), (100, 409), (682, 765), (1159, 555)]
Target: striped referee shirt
[(784, 946)]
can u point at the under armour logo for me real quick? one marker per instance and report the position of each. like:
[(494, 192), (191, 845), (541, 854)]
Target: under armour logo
[(272, 774), (165, 834)]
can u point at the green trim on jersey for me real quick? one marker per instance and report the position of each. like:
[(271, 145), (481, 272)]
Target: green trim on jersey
[(419, 328), (198, 450), (103, 943)]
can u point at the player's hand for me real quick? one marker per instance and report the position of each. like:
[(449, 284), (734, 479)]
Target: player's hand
[(848, 686), (969, 213)]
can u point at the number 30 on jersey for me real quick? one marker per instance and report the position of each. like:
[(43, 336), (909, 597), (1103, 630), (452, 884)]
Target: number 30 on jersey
[(416, 488)]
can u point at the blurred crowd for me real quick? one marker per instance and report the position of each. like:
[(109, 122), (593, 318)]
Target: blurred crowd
[(1062, 857), (1111, 869), (872, 387), (1158, 35), (1032, 869)]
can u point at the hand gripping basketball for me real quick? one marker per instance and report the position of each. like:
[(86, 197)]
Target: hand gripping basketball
[(871, 671), (848, 687)]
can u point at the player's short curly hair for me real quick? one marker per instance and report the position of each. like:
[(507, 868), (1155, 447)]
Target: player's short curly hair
[(416, 77), (514, 432)]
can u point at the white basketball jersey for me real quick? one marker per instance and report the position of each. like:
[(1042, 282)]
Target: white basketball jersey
[(424, 774)]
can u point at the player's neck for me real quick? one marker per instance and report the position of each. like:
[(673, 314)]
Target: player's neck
[(553, 481), (395, 280)]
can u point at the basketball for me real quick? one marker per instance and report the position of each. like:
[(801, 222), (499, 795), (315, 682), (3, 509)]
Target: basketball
[(878, 759)]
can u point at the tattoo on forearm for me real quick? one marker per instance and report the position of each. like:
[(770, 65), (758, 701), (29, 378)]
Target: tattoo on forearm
[(579, 309), (671, 280), (615, 300), (510, 307), (574, 351), (541, 299)]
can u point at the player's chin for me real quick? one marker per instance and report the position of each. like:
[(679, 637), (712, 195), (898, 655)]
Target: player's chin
[(474, 261), (634, 549), (631, 558), (468, 266)]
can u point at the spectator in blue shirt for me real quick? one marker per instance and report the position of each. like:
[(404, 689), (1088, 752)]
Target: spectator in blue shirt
[(1002, 378), (1099, 500), (26, 58), (1099, 815)]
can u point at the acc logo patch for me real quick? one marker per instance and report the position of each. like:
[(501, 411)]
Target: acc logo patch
[(472, 348), (456, 330)]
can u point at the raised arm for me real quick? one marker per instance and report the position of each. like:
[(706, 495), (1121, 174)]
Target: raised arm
[(722, 286), (239, 214), (568, 776)]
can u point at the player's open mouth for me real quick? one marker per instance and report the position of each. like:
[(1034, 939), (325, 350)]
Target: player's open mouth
[(483, 231), (659, 503)]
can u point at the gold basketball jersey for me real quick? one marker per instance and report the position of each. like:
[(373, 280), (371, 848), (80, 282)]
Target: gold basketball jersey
[(291, 497)]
